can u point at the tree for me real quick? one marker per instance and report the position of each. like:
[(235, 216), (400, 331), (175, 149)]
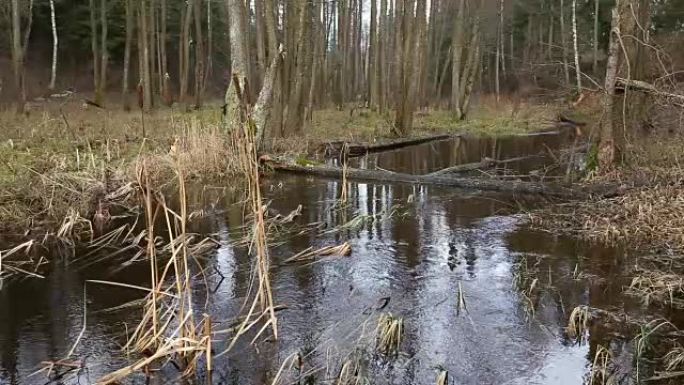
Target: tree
[(457, 52), (564, 44), (18, 57), (627, 61), (130, 25), (55, 42), (578, 70)]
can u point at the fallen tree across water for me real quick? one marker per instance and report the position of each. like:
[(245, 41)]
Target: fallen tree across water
[(335, 149), (518, 187), (483, 164)]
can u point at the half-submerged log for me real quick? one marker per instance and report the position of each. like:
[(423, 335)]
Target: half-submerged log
[(485, 163), (518, 187), (335, 149)]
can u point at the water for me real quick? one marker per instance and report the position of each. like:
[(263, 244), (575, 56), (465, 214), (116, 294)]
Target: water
[(434, 241)]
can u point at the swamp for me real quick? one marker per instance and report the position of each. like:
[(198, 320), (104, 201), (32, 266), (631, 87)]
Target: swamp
[(341, 192)]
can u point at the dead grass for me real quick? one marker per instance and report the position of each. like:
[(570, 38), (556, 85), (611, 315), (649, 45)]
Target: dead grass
[(648, 214), (65, 159)]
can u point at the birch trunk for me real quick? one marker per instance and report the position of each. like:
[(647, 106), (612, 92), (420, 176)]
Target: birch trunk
[(578, 70), (55, 43)]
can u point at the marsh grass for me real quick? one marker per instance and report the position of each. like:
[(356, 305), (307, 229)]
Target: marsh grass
[(389, 334), (65, 158), (601, 367), (649, 211), (18, 261), (654, 286), (170, 328), (674, 359), (351, 373), (310, 253), (578, 324)]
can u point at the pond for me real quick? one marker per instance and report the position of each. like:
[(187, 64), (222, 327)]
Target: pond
[(444, 260)]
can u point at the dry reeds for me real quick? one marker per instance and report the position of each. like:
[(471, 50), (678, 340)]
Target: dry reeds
[(262, 306), (351, 373), (168, 328), (674, 359), (658, 287), (601, 367), (310, 253), (578, 324), (389, 334), (25, 266)]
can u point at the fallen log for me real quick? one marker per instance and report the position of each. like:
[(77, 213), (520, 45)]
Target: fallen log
[(484, 163), (334, 149), (518, 187)]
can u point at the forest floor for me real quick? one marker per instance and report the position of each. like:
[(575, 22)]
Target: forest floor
[(61, 159)]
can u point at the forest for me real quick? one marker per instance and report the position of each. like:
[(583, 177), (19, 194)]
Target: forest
[(341, 191)]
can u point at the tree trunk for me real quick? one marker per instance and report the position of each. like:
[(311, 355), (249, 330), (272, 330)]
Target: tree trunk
[(55, 43), (96, 52), (166, 79), (497, 63), (578, 70), (304, 55), (184, 51), (564, 44), (18, 57), (234, 115), (607, 149), (130, 14), (260, 42), (199, 55), (409, 42), (100, 96), (145, 51), (210, 48), (382, 67), (457, 52), (596, 31), (373, 56)]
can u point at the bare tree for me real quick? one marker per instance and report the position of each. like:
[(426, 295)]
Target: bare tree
[(18, 57), (130, 25), (199, 55), (596, 32), (104, 54), (184, 50), (457, 52), (95, 51), (578, 70), (144, 54), (55, 42), (564, 44), (606, 151)]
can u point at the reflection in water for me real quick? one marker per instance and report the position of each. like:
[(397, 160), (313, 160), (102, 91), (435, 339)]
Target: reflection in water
[(416, 245)]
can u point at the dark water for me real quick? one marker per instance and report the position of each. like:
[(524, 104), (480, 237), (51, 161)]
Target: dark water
[(434, 241)]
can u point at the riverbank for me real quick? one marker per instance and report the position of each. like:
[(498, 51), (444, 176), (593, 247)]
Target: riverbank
[(69, 159)]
